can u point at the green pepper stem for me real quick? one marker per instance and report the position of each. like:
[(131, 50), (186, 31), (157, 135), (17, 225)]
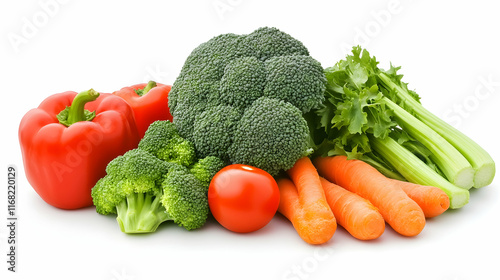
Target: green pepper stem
[(76, 111), (148, 87)]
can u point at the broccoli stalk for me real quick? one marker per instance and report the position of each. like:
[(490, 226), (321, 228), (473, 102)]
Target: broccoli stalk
[(141, 213)]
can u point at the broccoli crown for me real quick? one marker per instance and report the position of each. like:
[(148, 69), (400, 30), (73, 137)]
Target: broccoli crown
[(163, 141), (234, 71), (272, 135), (298, 79), (184, 198), (187, 110), (106, 194), (205, 169), (136, 171), (266, 42), (214, 129), (242, 83)]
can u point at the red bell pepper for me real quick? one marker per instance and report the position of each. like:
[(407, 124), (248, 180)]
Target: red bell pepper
[(67, 142), (149, 102)]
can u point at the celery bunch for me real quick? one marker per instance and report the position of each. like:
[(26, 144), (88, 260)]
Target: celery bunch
[(370, 114)]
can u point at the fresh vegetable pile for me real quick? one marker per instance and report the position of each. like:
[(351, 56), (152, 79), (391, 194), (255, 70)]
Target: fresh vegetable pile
[(253, 125)]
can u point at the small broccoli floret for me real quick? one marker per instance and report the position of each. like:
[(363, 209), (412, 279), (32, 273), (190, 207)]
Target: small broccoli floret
[(140, 171), (297, 79), (205, 169), (272, 135), (185, 199), (106, 194), (132, 190), (163, 141), (213, 131), (243, 82), (114, 166)]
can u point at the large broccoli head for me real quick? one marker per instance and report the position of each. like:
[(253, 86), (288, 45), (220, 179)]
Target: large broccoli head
[(223, 78)]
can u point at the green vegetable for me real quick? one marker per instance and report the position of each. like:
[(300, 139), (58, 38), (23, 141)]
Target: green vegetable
[(416, 171), (242, 83), (365, 120), (224, 77), (205, 169), (157, 182), (481, 161), (185, 199), (394, 88), (163, 141), (451, 162), (214, 129), (297, 79), (131, 189), (272, 135)]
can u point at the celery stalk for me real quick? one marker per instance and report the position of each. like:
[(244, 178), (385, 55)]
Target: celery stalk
[(481, 161), (451, 162), (416, 171)]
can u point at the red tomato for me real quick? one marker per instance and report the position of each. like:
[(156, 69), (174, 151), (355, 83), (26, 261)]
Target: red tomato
[(243, 198)]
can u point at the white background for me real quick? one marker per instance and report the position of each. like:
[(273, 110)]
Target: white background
[(449, 52)]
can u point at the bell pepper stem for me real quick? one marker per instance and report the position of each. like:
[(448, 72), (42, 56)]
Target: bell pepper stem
[(76, 112), (147, 88)]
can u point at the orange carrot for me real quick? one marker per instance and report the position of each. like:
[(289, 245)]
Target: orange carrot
[(432, 200), (354, 213), (303, 202), (399, 211)]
